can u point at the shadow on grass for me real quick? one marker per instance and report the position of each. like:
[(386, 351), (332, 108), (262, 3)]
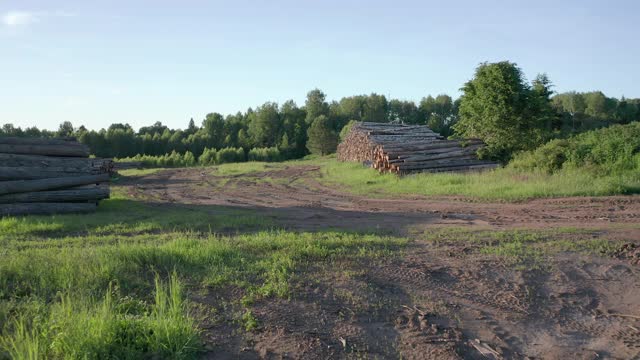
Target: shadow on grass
[(130, 217)]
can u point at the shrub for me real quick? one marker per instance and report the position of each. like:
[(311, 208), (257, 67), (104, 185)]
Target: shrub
[(608, 150), (208, 157), (229, 155), (265, 154)]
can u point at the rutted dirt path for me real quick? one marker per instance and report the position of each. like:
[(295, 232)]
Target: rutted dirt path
[(294, 196), (444, 300)]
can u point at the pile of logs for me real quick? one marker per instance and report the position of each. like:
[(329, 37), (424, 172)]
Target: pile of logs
[(50, 176), (406, 149)]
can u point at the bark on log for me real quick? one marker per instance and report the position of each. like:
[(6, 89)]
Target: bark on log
[(447, 156), (57, 196), (21, 186), (402, 154), (467, 168), (17, 160), (46, 208), (408, 148), (39, 141), (32, 173), (443, 165), (436, 145), (52, 150)]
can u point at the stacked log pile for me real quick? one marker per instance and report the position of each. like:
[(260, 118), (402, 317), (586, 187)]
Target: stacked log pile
[(50, 176), (406, 149)]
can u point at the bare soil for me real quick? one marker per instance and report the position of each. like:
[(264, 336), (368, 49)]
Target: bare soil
[(437, 300)]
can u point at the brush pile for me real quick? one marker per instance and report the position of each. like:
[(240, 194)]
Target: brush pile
[(50, 176), (406, 149)]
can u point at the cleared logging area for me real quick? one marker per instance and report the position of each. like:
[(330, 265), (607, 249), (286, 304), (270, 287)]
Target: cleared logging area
[(50, 176), (405, 149)]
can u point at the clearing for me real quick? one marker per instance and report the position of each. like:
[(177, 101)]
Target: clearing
[(544, 278)]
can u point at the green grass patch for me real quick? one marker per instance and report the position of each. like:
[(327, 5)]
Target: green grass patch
[(123, 216), (82, 286), (247, 168), (138, 172), (111, 328), (499, 184), (525, 248)]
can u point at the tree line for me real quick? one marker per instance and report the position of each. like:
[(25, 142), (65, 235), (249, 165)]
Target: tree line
[(498, 106), (294, 130)]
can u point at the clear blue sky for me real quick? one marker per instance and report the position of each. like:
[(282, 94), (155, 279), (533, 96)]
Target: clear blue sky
[(95, 63)]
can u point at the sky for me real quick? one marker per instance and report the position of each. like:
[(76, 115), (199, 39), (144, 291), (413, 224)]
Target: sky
[(95, 63)]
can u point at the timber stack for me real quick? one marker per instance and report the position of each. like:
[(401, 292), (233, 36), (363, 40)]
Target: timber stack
[(50, 176), (406, 149)]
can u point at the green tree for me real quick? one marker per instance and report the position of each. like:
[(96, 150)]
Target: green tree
[(65, 129), (316, 105), (495, 107), (192, 127), (403, 111), (375, 108), (265, 127), (323, 139), (213, 126)]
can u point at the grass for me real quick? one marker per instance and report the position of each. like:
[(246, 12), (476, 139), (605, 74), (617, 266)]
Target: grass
[(113, 284), (121, 215), (138, 172), (111, 328), (246, 168), (504, 184), (499, 184), (525, 248)]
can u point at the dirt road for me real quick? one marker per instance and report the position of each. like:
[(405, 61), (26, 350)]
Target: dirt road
[(439, 300)]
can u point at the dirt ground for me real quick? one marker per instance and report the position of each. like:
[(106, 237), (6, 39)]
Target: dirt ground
[(438, 300)]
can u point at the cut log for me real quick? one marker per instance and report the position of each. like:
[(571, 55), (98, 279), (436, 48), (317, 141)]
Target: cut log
[(446, 156), (32, 173), (51, 150), (56, 196), (39, 141), (435, 145), (81, 164), (21, 186), (432, 152), (441, 165), (45, 208), (465, 168)]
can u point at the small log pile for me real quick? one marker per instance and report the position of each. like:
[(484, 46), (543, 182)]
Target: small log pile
[(406, 149), (50, 176)]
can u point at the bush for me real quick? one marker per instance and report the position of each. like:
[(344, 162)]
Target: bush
[(208, 157), (174, 159), (229, 155), (609, 150), (265, 154)]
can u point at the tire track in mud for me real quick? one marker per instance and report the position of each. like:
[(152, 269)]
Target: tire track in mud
[(561, 313), (297, 187)]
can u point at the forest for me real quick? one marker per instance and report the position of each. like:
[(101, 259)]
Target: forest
[(273, 132)]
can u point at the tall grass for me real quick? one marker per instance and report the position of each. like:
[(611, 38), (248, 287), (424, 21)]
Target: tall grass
[(82, 286), (77, 328), (500, 184)]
